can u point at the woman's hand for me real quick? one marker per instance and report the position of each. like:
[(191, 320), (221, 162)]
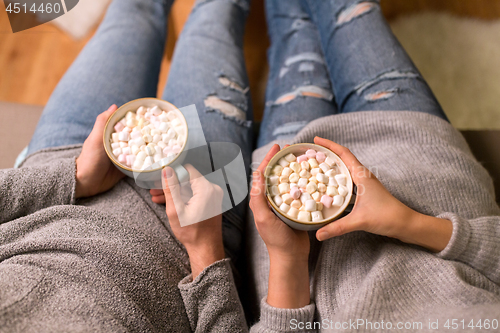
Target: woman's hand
[(378, 212), (288, 248), (95, 173), (197, 224)]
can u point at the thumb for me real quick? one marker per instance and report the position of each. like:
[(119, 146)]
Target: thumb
[(339, 227), (171, 189), (100, 123)]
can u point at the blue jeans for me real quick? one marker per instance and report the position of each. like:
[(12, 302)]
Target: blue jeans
[(326, 57), (335, 56)]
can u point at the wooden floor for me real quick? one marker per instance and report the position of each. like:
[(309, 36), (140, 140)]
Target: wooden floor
[(33, 61)]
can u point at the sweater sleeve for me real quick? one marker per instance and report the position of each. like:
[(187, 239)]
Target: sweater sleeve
[(26, 190), (476, 243), (284, 320), (211, 300)]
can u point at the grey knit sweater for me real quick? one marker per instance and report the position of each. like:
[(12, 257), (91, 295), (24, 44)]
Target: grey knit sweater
[(110, 262)]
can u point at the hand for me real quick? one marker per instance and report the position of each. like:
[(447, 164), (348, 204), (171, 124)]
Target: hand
[(95, 173), (203, 238), (378, 212), (288, 248)]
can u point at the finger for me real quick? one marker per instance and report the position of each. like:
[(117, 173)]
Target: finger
[(274, 149), (156, 192), (258, 201), (159, 199), (171, 189), (345, 155), (340, 227)]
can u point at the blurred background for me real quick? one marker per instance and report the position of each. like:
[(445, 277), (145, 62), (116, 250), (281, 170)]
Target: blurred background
[(454, 43)]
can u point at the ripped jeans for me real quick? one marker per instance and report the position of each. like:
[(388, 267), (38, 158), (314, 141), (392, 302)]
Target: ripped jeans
[(335, 56), (326, 57)]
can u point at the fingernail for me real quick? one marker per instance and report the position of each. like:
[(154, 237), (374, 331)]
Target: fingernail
[(322, 235), (256, 174), (167, 172)]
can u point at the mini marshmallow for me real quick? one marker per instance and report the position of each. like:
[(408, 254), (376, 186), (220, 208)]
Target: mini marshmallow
[(135, 149), (295, 193), (135, 134), (319, 206), (302, 158), (172, 142), (114, 137), (283, 162), (330, 161), (156, 138), (163, 126), (343, 190), (317, 216), (287, 198), (123, 144), (155, 111), (338, 200), (150, 149), (176, 122), (139, 142), (310, 205), (305, 196), (137, 164), (304, 174), (322, 187), (158, 157), (130, 160), (284, 207), (305, 165), (296, 204), (331, 191), (326, 200), (286, 172), (283, 178), (311, 188), (284, 188), (304, 216), (146, 130), (316, 196), (161, 144), (115, 145), (302, 182), (278, 200), (315, 171), (126, 150), (122, 158), (131, 122), (311, 153), (313, 179), (322, 178), (325, 167), (320, 157), (171, 115), (277, 170), (290, 158), (117, 152), (123, 136), (141, 111), (313, 163), (332, 182), (295, 167), (293, 178), (147, 138), (292, 185), (119, 127), (274, 190), (293, 212), (330, 173), (341, 179), (274, 180)]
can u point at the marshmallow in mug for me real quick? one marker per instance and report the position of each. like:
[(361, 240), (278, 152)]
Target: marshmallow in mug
[(301, 186), (147, 136)]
